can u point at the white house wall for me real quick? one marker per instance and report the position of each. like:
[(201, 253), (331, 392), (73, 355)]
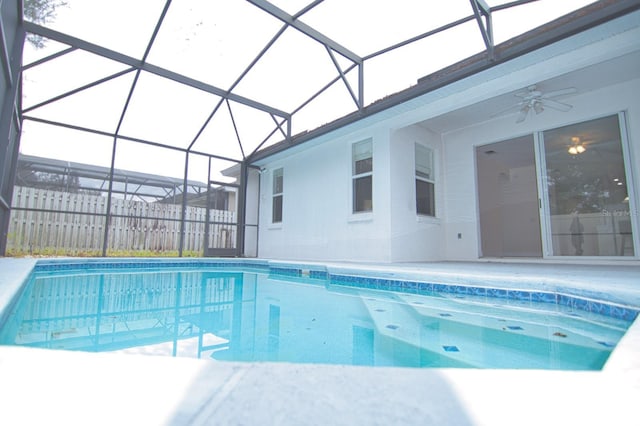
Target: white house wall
[(318, 223), (414, 237)]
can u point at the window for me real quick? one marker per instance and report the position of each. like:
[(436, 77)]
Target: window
[(425, 198), (362, 176), (278, 182)]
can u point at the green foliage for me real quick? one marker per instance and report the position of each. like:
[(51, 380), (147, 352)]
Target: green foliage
[(45, 180), (151, 253), (41, 12), (53, 252)]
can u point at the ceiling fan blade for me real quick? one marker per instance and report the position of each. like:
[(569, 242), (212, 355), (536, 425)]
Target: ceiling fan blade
[(506, 110), (528, 92), (561, 92), (560, 106), (523, 114)]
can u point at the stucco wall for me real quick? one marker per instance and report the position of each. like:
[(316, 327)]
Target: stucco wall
[(318, 223), (414, 237)]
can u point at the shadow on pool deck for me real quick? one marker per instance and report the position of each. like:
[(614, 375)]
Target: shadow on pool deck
[(305, 394)]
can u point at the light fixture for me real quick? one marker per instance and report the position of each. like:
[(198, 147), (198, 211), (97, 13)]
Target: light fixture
[(537, 107), (577, 147)]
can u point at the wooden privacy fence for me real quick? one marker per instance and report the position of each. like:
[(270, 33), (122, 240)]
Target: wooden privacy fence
[(45, 221), (93, 300)]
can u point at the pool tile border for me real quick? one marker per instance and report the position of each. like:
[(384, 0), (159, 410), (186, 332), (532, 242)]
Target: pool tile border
[(316, 272), (609, 309)]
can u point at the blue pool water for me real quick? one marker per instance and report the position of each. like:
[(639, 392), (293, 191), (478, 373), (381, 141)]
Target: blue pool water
[(250, 314)]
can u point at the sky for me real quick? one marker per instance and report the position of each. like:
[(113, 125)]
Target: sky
[(214, 41)]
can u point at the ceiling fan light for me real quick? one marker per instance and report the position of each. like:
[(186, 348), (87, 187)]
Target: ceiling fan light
[(575, 150), (580, 149), (537, 107)]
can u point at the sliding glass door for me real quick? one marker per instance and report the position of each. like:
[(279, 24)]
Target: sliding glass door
[(587, 192), (560, 192)]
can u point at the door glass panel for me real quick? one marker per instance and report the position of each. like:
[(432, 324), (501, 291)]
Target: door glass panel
[(508, 199), (587, 190)]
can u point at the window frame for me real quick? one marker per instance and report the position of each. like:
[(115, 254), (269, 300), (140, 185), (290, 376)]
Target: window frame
[(277, 195), (428, 178), (359, 176)]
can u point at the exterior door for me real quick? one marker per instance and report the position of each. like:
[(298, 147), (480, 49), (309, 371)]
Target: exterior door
[(221, 228)]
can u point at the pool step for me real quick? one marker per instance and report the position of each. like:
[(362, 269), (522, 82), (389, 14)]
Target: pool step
[(512, 318), (397, 322), (472, 344)]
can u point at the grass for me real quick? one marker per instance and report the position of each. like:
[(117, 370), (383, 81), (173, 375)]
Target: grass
[(53, 252)]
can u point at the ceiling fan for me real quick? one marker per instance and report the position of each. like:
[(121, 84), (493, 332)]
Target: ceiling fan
[(536, 100)]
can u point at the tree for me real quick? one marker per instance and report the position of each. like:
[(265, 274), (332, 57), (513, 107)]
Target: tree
[(41, 12)]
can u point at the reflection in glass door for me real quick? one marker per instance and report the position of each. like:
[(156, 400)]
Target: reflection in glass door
[(508, 199), (588, 210)]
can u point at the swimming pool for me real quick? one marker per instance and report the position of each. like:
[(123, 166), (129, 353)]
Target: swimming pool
[(257, 311)]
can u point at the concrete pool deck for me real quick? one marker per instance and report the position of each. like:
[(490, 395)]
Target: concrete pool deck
[(38, 385)]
